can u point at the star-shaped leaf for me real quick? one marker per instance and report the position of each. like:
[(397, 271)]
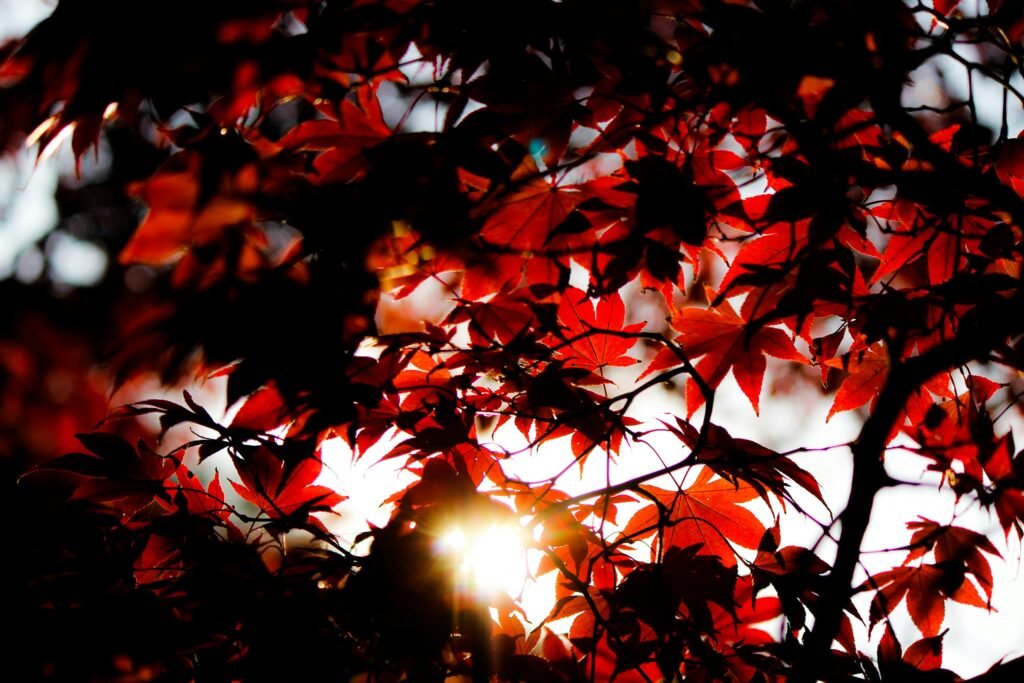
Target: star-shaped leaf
[(727, 342)]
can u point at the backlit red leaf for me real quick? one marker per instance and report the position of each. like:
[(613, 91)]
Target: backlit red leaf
[(582, 319), (727, 342)]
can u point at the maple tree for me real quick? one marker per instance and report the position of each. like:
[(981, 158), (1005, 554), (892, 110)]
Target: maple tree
[(468, 239)]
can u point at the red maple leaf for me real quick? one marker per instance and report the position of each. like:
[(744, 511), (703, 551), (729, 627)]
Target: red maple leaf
[(588, 348), (914, 237), (282, 492), (709, 513), (925, 654), (159, 564), (1007, 495), (926, 589), (954, 545), (742, 459), (500, 319), (867, 367), (202, 500), (339, 144), (264, 409), (523, 218), (727, 342)]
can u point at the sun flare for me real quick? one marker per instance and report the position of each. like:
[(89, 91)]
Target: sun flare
[(486, 559)]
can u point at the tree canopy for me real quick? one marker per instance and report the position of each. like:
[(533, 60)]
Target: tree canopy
[(477, 242)]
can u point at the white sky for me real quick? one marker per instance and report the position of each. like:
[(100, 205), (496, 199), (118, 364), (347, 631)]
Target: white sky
[(27, 209)]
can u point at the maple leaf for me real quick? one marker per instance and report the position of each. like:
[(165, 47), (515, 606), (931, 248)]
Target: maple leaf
[(727, 342), (523, 218), (737, 629), (776, 249), (906, 247), (867, 369), (954, 430), (926, 589), (1009, 164), (925, 654), (340, 144), (953, 545), (203, 501), (284, 493), (263, 410), (491, 273), (914, 236), (166, 230), (742, 459), (916, 584), (1007, 494), (589, 348), (116, 474), (796, 575), (159, 564), (567, 538), (180, 217), (709, 513), (502, 318)]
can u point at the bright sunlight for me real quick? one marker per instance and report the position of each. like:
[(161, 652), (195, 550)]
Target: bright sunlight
[(486, 559)]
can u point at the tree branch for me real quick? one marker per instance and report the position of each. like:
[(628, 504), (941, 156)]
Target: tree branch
[(980, 331)]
